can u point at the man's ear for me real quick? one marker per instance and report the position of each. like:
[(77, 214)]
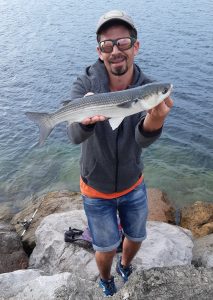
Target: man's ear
[(99, 53), (136, 47)]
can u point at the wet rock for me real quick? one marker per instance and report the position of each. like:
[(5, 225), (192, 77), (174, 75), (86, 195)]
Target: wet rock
[(203, 251), (12, 255), (47, 204), (166, 245), (198, 218), (160, 208)]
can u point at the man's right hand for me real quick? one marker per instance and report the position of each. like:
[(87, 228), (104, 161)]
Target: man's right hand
[(94, 119)]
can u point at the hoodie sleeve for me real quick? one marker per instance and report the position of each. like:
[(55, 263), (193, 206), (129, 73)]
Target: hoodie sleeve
[(78, 132), (145, 138)]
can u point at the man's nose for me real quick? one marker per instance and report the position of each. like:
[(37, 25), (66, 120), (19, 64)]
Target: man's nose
[(115, 49)]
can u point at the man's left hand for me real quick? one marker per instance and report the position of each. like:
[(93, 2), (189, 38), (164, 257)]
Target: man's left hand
[(155, 117)]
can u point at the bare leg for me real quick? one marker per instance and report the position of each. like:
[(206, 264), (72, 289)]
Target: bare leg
[(104, 263), (130, 249)]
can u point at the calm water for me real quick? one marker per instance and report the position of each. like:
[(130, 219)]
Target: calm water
[(45, 44)]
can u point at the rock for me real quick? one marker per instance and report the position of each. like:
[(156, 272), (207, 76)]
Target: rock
[(47, 204), (34, 284), (53, 255), (203, 251), (160, 209), (198, 218), (166, 245), (5, 213), (12, 255), (181, 282)]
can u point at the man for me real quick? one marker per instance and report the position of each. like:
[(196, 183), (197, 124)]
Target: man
[(111, 169)]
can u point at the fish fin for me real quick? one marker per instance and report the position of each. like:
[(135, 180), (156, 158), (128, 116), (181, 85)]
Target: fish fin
[(125, 104), (115, 122), (44, 123)]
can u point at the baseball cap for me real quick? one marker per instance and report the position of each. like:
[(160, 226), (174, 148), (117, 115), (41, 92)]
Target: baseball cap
[(115, 15)]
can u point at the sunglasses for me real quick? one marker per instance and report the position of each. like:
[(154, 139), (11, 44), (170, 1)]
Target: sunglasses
[(122, 44)]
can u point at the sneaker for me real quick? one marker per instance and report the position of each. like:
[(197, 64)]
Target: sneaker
[(124, 272), (108, 286)]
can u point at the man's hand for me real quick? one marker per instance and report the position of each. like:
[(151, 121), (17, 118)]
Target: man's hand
[(94, 119), (155, 117)]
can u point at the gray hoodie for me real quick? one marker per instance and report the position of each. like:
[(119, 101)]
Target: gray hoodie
[(110, 160)]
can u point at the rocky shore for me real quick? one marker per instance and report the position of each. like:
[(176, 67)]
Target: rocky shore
[(175, 262)]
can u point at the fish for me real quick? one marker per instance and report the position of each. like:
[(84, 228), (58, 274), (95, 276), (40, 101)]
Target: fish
[(115, 106)]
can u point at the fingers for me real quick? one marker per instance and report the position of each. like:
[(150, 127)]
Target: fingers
[(169, 102), (93, 120)]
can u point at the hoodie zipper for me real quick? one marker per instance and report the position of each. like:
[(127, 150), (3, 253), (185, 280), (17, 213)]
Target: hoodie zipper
[(116, 157)]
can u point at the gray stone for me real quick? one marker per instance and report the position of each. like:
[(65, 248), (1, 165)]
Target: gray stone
[(35, 285), (180, 282), (53, 255), (12, 255), (203, 251), (166, 245), (14, 282)]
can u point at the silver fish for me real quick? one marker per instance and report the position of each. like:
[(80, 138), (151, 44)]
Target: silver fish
[(114, 105)]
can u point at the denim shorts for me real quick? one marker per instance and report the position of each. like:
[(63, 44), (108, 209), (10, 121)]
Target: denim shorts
[(103, 222)]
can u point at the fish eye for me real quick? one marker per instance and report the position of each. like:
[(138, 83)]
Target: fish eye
[(164, 91), (136, 100)]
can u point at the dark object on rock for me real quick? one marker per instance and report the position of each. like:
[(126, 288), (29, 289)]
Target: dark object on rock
[(12, 255), (83, 238)]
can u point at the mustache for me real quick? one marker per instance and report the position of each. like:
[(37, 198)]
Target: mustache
[(115, 57)]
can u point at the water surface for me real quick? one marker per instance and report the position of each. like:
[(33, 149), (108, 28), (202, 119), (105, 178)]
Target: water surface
[(44, 45)]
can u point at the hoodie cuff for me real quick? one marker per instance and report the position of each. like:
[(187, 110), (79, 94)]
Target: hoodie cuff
[(89, 127), (149, 133)]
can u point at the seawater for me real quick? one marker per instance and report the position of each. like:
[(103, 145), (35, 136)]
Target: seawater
[(44, 45)]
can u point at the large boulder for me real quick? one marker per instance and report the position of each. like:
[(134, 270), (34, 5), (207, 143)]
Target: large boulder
[(166, 245), (12, 255), (198, 218), (160, 208), (34, 284), (53, 255), (180, 282), (203, 251)]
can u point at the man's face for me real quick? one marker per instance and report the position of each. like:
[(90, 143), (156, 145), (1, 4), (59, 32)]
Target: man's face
[(118, 62)]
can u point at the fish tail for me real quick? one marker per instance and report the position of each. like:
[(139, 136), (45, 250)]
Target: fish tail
[(44, 122)]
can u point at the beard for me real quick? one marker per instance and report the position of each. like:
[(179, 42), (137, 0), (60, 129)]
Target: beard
[(120, 69)]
